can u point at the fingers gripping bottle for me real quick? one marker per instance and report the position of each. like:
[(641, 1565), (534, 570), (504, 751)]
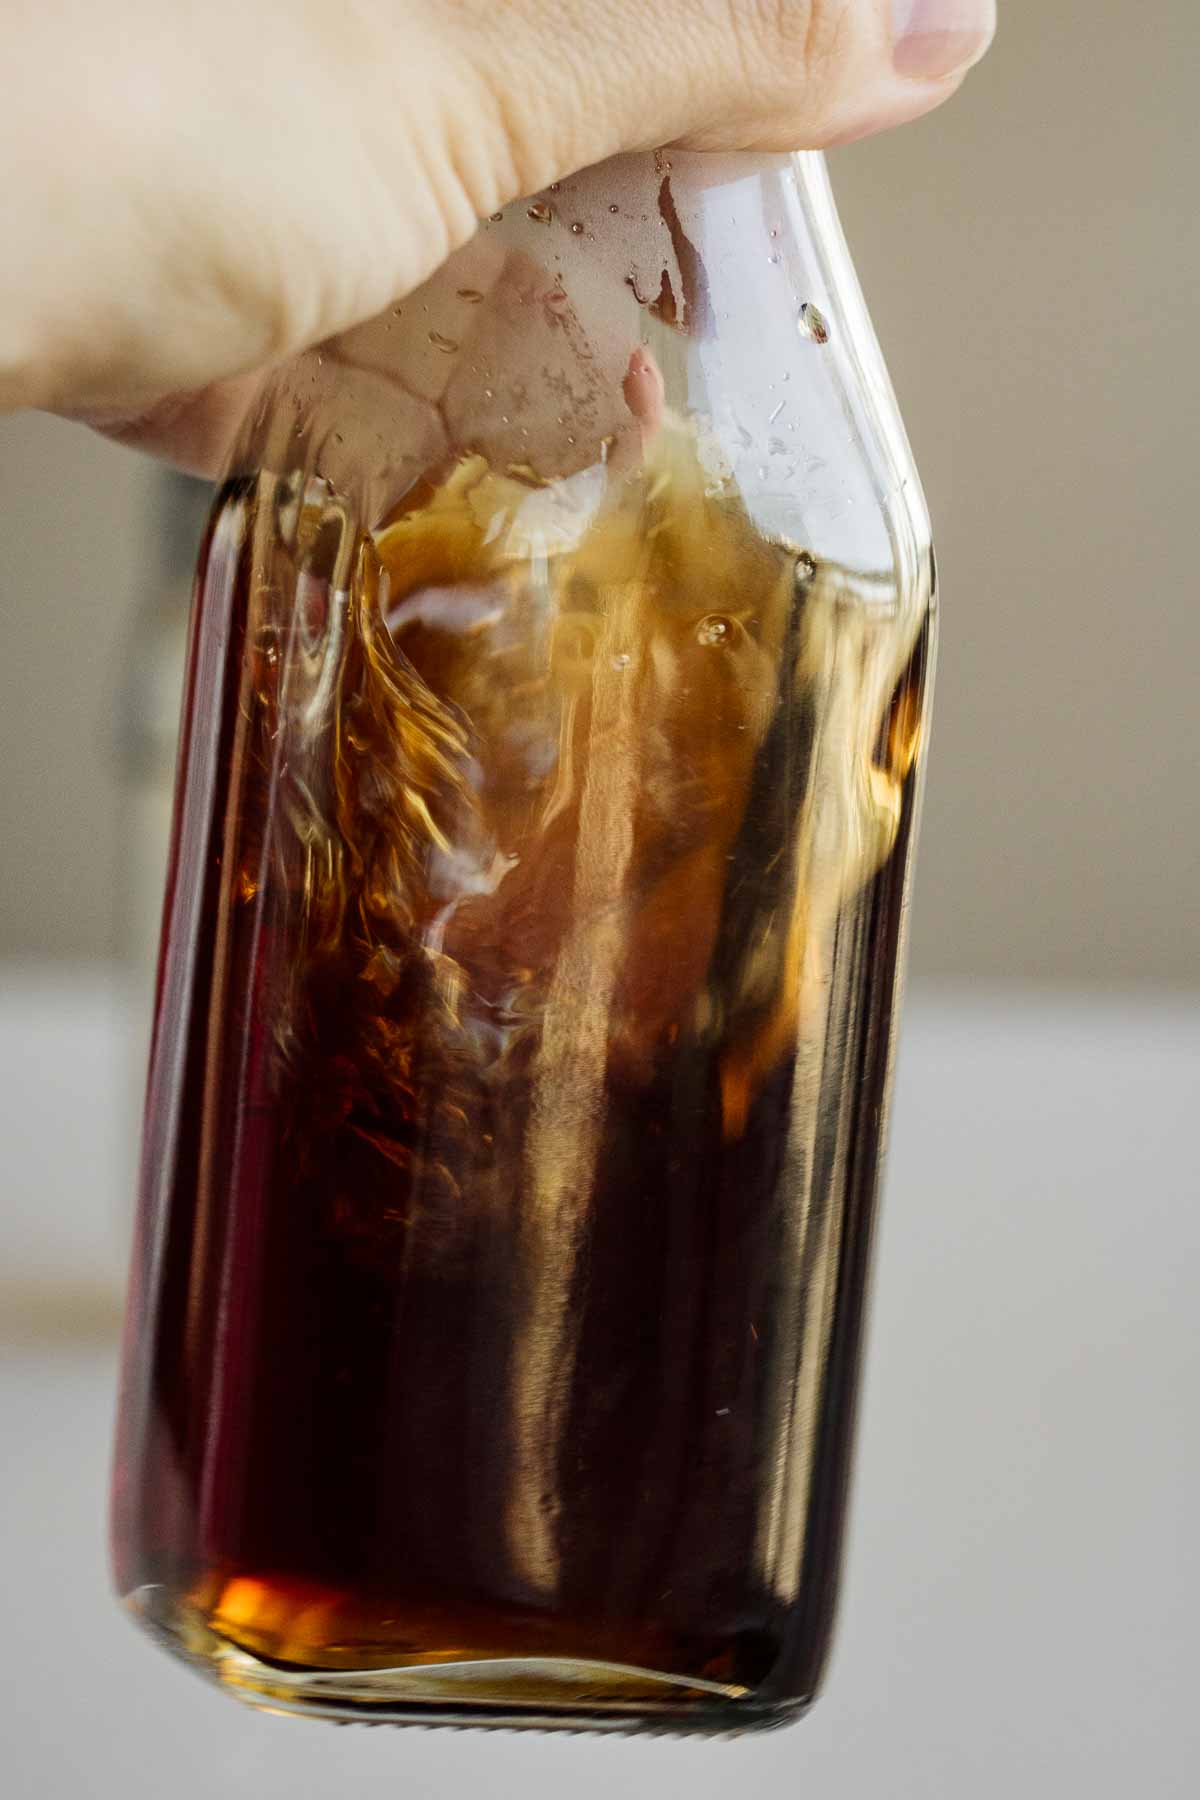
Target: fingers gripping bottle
[(551, 755)]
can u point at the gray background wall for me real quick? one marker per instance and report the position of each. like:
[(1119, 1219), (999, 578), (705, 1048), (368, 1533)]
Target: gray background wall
[(1032, 260)]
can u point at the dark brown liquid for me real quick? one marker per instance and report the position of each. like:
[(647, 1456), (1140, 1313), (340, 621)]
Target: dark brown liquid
[(498, 1288)]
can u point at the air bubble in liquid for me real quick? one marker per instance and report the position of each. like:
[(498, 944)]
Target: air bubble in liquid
[(713, 630), (812, 323)]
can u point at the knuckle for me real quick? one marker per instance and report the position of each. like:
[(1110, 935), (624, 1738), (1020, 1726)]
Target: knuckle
[(788, 44), (805, 65), (788, 39)]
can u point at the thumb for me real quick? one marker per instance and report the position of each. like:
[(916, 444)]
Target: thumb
[(574, 82)]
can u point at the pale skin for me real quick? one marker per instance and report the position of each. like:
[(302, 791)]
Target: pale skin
[(195, 189)]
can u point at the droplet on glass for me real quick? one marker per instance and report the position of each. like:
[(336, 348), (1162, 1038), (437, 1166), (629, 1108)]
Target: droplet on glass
[(495, 217), (471, 295), (806, 568), (539, 212), (614, 208), (621, 661), (577, 229), (489, 393), (714, 630), (812, 323), (446, 345)]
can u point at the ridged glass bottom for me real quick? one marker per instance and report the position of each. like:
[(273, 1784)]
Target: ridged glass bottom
[(514, 1693)]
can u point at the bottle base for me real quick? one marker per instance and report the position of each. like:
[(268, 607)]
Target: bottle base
[(534, 1693)]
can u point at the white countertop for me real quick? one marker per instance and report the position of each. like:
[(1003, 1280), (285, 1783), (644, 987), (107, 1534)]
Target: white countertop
[(1022, 1602)]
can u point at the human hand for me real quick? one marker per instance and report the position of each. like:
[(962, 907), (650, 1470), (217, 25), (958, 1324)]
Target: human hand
[(196, 191)]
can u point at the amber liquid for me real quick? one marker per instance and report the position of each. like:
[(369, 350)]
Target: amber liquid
[(514, 1120)]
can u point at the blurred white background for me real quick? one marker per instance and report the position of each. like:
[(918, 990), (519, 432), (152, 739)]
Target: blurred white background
[(1023, 1578)]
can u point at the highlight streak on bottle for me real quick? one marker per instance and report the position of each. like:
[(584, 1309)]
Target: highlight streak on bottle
[(858, 647), (857, 644), (568, 1096)]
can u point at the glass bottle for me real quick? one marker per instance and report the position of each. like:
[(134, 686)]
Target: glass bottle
[(557, 684)]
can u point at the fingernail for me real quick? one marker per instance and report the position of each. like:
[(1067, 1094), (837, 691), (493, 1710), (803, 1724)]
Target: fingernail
[(935, 38)]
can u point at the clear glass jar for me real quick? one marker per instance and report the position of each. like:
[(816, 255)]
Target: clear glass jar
[(557, 687)]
